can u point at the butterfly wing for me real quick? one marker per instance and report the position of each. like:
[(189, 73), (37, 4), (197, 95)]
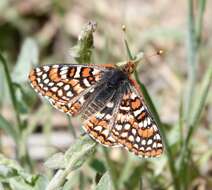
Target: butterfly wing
[(67, 87), (99, 124), (134, 128)]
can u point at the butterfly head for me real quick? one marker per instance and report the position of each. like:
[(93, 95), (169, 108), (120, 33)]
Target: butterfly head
[(129, 67)]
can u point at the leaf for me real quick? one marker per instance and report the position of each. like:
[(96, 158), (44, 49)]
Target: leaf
[(73, 159), (57, 161), (105, 183), (13, 175), (28, 57), (80, 151)]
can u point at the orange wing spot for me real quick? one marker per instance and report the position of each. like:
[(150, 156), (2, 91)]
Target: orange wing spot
[(65, 109), (109, 65), (135, 150), (136, 104), (159, 152), (48, 93), (55, 97), (94, 120), (53, 75), (32, 75), (128, 145), (156, 152), (86, 72), (94, 134), (76, 106), (103, 123), (73, 82), (147, 154), (78, 88), (121, 141), (72, 72), (88, 125), (153, 152), (101, 139), (146, 133), (142, 116)]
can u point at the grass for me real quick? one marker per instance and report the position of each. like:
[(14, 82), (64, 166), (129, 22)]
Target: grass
[(68, 170)]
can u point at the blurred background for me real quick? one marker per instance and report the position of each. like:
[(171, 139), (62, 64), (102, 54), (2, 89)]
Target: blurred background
[(36, 32)]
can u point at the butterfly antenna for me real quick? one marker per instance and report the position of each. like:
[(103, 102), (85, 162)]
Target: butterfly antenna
[(130, 56)]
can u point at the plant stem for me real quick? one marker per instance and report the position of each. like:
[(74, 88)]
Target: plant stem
[(192, 60), (12, 93)]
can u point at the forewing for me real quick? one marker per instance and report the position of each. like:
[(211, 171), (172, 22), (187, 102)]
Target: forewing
[(135, 128), (67, 87)]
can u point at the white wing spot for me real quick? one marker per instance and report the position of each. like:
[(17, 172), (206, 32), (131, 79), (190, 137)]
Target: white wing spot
[(124, 135), (131, 138), (149, 142), (105, 132), (69, 94), (44, 76), (145, 123), (63, 72), (60, 92), (60, 84), (134, 131), (98, 128), (46, 81), (46, 68), (110, 104), (54, 89), (118, 127), (143, 142), (138, 139), (137, 112), (108, 116), (39, 73), (141, 124), (67, 87), (85, 81), (127, 126), (51, 84), (38, 70)]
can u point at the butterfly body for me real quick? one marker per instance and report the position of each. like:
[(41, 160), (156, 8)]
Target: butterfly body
[(112, 108)]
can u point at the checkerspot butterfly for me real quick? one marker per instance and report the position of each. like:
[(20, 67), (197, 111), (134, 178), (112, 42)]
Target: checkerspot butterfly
[(112, 108)]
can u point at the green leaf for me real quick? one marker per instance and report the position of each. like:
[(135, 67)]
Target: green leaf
[(12, 174), (57, 161), (28, 57), (79, 152), (73, 159), (105, 183)]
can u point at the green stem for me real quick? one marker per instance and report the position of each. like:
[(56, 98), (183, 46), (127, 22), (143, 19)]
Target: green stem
[(12, 93), (192, 60), (71, 128), (199, 25)]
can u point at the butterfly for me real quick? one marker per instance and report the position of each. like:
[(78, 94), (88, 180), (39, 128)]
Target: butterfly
[(109, 101)]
